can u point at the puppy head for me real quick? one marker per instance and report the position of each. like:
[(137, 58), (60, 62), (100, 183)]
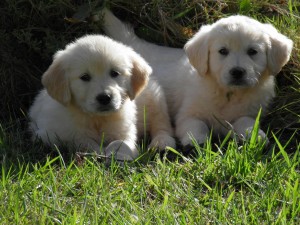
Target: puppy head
[(96, 74), (237, 51)]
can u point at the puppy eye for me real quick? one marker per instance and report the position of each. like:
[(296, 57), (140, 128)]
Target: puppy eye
[(85, 77), (224, 51), (251, 51), (114, 73)]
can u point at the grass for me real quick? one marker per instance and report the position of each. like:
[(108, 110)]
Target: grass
[(234, 185), (225, 182)]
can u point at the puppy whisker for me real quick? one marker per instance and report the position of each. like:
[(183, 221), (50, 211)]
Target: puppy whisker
[(258, 73)]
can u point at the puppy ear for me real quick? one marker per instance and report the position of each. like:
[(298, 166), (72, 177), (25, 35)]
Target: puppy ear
[(197, 49), (279, 50), (56, 82), (140, 75)]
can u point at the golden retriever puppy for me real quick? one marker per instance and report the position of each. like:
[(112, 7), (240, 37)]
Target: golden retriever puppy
[(90, 96), (225, 77)]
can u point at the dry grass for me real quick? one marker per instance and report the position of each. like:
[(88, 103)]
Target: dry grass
[(33, 30)]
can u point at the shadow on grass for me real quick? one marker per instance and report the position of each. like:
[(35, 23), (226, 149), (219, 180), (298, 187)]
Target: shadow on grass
[(16, 146)]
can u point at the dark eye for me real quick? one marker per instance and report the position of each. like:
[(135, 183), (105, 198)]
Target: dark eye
[(224, 51), (114, 73), (251, 51), (85, 77)]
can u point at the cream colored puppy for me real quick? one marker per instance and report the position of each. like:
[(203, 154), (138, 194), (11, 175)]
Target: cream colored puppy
[(90, 96), (225, 77)]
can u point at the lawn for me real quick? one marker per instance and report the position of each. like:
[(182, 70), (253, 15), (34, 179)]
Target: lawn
[(224, 182)]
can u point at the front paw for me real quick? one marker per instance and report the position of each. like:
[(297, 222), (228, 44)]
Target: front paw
[(261, 136), (191, 131), (120, 151), (162, 141), (244, 129), (189, 140)]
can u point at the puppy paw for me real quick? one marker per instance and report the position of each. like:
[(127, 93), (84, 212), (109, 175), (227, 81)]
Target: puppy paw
[(120, 151), (188, 141), (162, 141), (243, 128), (261, 136)]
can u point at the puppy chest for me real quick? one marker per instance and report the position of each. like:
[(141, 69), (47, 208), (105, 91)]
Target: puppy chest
[(105, 131), (229, 111), (228, 108)]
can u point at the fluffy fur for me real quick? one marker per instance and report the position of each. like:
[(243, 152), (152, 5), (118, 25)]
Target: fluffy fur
[(221, 80), (91, 91)]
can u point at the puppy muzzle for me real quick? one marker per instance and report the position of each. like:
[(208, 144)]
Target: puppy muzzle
[(105, 102), (238, 77)]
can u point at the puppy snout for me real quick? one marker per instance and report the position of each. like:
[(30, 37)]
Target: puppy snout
[(237, 72), (104, 98)]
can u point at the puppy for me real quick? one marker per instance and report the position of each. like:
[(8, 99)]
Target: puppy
[(223, 80), (90, 96)]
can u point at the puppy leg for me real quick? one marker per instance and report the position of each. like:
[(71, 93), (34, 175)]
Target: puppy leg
[(158, 121), (161, 130), (190, 127), (243, 128), (161, 140)]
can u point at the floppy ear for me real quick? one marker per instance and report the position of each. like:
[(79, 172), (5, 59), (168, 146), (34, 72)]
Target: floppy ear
[(279, 50), (56, 82), (197, 49), (140, 75)]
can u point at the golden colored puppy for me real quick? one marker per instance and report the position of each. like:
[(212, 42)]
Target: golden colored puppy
[(225, 77), (90, 96)]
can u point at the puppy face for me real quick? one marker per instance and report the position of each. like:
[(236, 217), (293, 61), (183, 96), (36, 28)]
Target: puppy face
[(238, 56), (96, 74), (237, 51), (99, 87)]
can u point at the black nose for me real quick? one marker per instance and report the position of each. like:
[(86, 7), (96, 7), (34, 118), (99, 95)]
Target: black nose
[(104, 98), (237, 72)]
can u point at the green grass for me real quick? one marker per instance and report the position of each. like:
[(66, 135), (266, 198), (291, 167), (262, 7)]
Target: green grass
[(225, 182), (235, 184)]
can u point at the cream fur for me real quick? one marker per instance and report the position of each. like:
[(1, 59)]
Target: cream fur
[(201, 91), (69, 109)]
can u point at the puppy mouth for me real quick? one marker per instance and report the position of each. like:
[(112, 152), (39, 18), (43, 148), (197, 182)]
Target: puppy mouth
[(103, 106), (97, 109), (239, 83), (243, 83), (106, 109), (239, 77)]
